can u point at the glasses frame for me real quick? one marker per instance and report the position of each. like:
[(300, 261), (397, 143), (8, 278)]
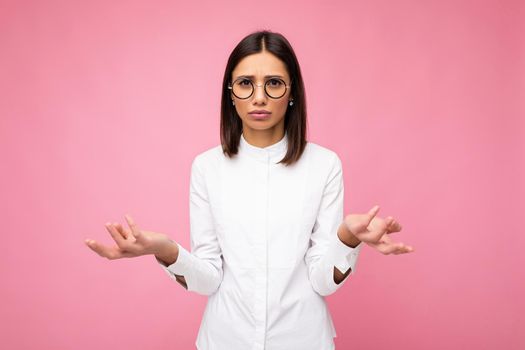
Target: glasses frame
[(286, 87)]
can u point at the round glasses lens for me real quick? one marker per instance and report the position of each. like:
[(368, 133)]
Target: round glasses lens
[(242, 88), (275, 88)]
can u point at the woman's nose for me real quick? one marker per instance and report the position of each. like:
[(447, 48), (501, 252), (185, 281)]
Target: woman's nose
[(259, 93)]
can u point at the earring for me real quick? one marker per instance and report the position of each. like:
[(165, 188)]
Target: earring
[(291, 103), (233, 102)]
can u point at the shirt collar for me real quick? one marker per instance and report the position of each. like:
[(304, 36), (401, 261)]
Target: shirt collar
[(274, 152)]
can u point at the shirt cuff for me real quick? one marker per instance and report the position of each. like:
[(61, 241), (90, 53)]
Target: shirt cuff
[(181, 265), (342, 256)]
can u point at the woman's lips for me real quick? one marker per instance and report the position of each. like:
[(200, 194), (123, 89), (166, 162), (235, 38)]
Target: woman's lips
[(260, 116)]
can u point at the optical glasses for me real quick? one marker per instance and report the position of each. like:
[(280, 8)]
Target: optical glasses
[(243, 88)]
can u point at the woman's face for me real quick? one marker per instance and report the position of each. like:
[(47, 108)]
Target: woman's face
[(262, 67)]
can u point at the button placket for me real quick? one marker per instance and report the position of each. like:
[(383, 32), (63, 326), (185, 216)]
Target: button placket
[(264, 159), (261, 257)]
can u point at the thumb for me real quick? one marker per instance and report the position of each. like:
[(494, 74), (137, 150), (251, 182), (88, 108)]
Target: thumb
[(372, 213)]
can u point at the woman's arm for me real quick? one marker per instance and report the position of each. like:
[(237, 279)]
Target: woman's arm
[(329, 260), (200, 270), (351, 242), (169, 256)]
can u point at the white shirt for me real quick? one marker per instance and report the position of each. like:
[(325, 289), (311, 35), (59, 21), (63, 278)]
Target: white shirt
[(263, 247)]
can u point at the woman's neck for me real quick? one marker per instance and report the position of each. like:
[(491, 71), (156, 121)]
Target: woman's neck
[(263, 138)]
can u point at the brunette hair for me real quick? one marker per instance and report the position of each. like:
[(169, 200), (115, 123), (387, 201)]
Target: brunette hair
[(295, 117)]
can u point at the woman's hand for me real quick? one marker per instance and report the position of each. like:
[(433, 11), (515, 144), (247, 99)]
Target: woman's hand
[(130, 243), (373, 231)]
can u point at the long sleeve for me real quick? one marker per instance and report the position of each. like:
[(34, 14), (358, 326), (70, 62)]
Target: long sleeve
[(326, 250), (202, 268)]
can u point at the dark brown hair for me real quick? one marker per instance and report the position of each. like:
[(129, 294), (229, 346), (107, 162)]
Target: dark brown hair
[(295, 117)]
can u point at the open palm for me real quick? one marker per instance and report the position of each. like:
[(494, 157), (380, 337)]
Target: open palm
[(375, 231), (131, 242)]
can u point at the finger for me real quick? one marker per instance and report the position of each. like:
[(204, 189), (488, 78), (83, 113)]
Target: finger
[(386, 224), (98, 248), (390, 225), (110, 253), (394, 227), (389, 248), (403, 249), (117, 237), (372, 212), (381, 229), (123, 232), (134, 229)]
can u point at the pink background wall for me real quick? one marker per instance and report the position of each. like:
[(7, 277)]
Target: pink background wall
[(104, 104)]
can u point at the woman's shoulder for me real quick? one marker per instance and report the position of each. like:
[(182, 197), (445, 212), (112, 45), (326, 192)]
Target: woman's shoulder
[(209, 156), (321, 153)]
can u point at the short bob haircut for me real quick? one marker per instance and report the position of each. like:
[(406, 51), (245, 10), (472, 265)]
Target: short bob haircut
[(295, 117)]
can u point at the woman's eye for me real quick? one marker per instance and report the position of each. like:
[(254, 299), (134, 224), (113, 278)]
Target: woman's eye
[(244, 82), (274, 82)]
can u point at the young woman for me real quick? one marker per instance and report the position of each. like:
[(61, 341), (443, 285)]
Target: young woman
[(268, 235)]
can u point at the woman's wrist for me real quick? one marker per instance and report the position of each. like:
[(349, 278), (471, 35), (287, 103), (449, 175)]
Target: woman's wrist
[(347, 237), (169, 252)]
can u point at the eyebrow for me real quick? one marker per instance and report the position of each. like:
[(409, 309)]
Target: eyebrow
[(266, 76)]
